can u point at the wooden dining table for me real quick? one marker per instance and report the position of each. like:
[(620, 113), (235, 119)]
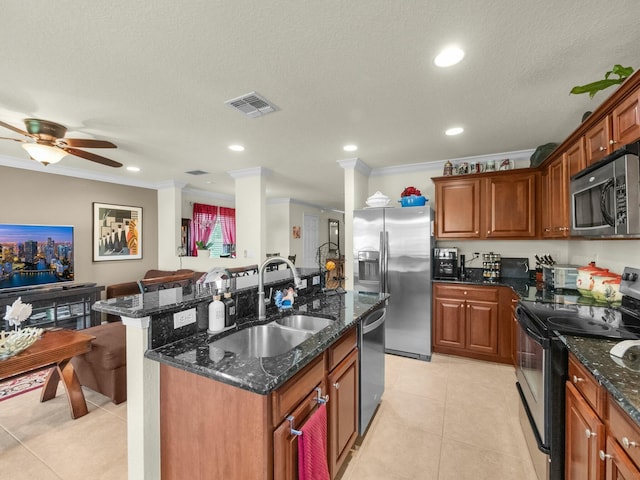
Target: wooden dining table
[(55, 348)]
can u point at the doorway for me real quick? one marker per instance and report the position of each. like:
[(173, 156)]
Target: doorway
[(310, 240)]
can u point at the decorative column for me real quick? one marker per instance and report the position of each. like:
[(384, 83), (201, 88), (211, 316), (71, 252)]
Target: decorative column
[(143, 403), (356, 184), (251, 224)]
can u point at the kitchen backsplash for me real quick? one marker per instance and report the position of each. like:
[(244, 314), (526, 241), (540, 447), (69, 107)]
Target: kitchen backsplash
[(611, 254)]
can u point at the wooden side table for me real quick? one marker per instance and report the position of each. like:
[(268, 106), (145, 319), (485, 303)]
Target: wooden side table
[(55, 348)]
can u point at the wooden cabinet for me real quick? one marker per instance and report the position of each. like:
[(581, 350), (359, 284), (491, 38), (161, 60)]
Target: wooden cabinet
[(597, 141), (496, 205), (626, 121), (596, 449), (510, 205), (293, 404), (468, 321), (620, 127), (556, 212), (458, 210), (584, 437), (213, 430)]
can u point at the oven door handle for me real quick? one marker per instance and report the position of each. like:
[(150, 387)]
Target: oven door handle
[(541, 446), (541, 340)]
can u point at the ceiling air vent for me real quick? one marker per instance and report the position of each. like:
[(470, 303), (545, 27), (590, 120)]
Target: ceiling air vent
[(252, 105), (196, 172)]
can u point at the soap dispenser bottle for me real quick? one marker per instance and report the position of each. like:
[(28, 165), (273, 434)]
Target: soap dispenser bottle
[(229, 310), (216, 315)]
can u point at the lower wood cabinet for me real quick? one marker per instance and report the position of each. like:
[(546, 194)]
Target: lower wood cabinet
[(213, 430), (470, 321), (584, 437), (601, 441)]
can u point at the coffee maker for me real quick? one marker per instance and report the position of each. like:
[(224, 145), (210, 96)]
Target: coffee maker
[(445, 263)]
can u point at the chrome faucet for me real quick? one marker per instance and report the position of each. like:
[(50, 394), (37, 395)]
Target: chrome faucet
[(262, 302)]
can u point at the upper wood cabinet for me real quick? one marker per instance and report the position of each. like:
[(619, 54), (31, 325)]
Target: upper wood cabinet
[(597, 140), (615, 130), (497, 205), (510, 205), (458, 209), (556, 206), (626, 121)]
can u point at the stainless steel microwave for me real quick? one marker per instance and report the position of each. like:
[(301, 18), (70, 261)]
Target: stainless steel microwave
[(605, 197)]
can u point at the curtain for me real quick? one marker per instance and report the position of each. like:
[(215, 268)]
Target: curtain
[(228, 223), (204, 218)]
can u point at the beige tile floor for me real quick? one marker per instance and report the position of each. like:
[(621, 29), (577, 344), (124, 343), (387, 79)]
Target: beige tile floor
[(451, 418)]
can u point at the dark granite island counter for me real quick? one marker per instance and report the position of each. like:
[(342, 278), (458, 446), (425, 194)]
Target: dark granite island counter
[(224, 405), (263, 375)]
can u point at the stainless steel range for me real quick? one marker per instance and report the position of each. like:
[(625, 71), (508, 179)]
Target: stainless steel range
[(541, 368)]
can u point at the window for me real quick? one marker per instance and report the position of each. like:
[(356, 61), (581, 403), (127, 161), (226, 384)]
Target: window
[(215, 226)]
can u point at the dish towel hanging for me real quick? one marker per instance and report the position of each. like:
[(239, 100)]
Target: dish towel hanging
[(312, 447)]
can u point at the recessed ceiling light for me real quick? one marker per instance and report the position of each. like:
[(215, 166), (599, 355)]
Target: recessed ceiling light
[(350, 148), (449, 56), (133, 169), (236, 148), (454, 131)]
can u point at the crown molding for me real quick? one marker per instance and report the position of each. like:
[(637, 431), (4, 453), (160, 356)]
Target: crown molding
[(355, 164), (249, 172), (517, 155)]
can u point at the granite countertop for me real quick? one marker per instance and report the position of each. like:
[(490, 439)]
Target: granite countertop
[(622, 382), (263, 375)]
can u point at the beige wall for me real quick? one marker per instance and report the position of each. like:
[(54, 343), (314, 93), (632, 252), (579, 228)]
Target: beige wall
[(42, 198)]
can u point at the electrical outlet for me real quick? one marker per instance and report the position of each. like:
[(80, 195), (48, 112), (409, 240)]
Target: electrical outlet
[(315, 280), (303, 283), (185, 317), (302, 308), (316, 304)]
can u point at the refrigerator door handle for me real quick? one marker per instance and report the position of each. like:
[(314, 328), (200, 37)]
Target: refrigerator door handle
[(386, 262), (381, 265)]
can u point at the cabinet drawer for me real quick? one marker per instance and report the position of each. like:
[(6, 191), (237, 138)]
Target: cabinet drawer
[(587, 385), (296, 388), (466, 292), (626, 433), (342, 347)]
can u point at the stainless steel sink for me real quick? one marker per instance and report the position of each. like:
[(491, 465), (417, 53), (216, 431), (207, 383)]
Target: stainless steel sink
[(305, 322), (262, 341)]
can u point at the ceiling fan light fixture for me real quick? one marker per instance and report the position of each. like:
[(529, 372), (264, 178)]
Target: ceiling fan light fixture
[(44, 153)]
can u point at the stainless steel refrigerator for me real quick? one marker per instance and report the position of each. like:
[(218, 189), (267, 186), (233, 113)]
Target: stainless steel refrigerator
[(392, 250)]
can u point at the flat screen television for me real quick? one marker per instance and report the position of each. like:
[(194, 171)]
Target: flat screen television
[(35, 255)]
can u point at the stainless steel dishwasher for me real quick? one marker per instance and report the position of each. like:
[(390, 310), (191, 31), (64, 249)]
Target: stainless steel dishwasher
[(371, 345)]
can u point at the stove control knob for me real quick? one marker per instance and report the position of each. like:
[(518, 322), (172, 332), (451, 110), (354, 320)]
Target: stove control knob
[(634, 277)]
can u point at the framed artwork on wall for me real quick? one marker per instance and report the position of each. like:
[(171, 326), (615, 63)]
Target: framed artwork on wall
[(117, 232)]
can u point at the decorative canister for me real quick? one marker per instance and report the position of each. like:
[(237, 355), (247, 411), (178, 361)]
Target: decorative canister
[(448, 169), (606, 286), (584, 281)]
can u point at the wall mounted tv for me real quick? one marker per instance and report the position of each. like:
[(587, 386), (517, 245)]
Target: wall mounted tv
[(35, 255)]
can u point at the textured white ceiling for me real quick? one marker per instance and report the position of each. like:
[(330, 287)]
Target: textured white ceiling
[(152, 76)]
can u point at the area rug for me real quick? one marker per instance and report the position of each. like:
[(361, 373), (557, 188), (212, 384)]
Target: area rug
[(25, 383)]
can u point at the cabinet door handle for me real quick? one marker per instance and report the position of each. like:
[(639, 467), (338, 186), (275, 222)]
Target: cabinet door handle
[(604, 456), (612, 142), (465, 292), (468, 306), (476, 232), (602, 149), (627, 443), (577, 379), (589, 433), (336, 385)]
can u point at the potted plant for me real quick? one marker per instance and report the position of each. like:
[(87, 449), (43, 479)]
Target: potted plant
[(203, 248), (594, 87)]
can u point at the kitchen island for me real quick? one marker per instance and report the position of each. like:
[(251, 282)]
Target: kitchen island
[(225, 416)]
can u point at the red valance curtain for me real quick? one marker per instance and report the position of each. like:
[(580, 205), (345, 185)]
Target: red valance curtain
[(228, 223), (204, 218)]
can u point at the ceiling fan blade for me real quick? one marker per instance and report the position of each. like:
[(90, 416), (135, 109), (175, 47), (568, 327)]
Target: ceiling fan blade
[(85, 143), (93, 157), (14, 139), (15, 129)]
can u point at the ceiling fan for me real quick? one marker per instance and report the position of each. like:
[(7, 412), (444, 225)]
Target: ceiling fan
[(46, 143)]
